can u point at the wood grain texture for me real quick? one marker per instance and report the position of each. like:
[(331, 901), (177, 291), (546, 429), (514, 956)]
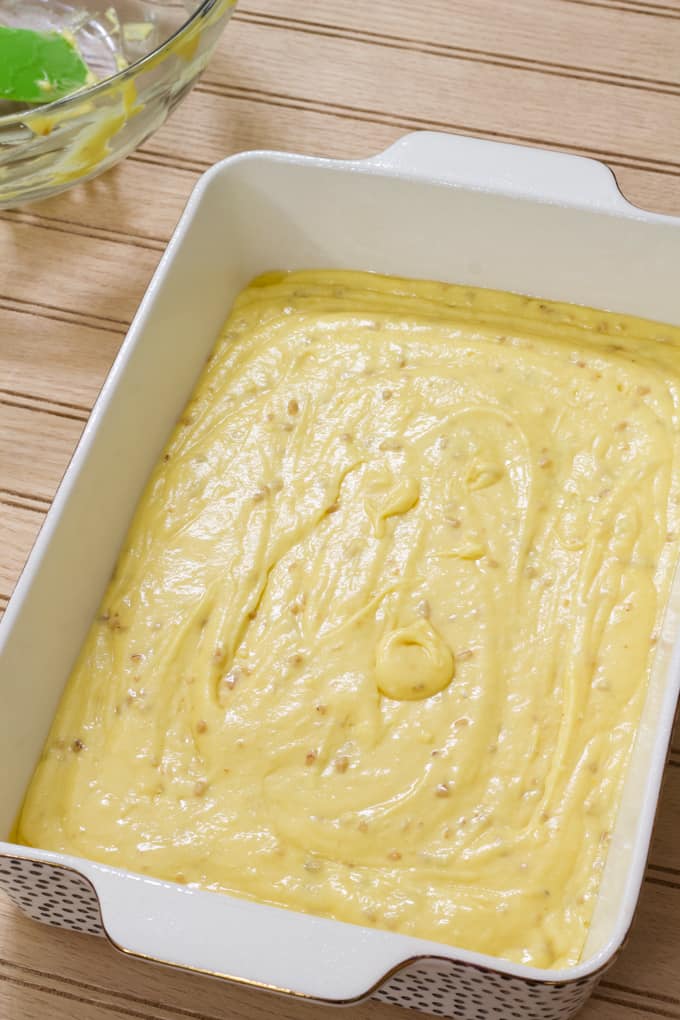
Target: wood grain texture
[(597, 77), (432, 90)]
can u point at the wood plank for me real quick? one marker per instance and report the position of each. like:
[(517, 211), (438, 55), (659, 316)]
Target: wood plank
[(37, 1002), (602, 1007), (650, 962), (57, 359), (606, 39), (208, 127), (99, 205), (19, 527), (434, 90), (668, 11), (616, 1003), (38, 265), (253, 123), (664, 857), (653, 191), (35, 448)]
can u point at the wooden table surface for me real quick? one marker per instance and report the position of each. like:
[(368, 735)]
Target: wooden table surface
[(337, 78)]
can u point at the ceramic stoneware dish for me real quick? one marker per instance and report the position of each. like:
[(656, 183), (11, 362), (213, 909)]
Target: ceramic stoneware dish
[(432, 206)]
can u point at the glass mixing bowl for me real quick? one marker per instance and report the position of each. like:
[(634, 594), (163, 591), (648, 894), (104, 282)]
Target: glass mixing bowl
[(145, 54)]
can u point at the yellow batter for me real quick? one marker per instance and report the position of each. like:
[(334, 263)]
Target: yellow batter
[(378, 639)]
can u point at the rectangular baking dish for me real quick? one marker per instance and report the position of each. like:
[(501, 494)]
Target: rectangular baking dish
[(434, 206)]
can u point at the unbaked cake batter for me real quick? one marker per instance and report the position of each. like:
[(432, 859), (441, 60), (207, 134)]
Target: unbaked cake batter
[(378, 639)]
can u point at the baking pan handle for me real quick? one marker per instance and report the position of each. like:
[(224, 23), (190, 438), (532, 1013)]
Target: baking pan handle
[(244, 941), (517, 170)]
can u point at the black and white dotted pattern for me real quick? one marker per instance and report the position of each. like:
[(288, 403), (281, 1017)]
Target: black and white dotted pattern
[(62, 897), (459, 990), (51, 894)]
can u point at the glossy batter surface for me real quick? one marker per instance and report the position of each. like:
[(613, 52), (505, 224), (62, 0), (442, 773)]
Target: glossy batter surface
[(378, 639)]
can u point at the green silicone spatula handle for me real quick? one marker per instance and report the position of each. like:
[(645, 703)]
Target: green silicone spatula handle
[(37, 67)]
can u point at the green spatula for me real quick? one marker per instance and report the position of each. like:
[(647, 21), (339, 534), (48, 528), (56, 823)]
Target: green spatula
[(37, 67)]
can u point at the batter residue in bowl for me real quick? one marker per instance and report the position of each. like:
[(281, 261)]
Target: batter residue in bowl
[(378, 639)]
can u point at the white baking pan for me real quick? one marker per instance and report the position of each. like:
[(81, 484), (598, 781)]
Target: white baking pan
[(433, 206)]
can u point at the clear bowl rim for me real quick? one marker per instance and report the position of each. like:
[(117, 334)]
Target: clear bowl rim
[(120, 77)]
